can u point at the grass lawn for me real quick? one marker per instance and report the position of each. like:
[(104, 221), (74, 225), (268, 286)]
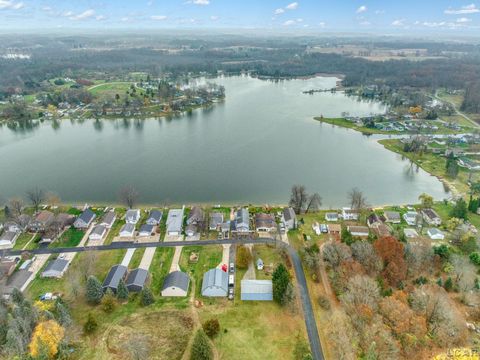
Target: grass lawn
[(110, 89), (270, 257), (22, 240), (136, 258), (70, 238), (159, 268), (114, 231)]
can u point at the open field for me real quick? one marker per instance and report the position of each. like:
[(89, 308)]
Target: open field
[(110, 89), (70, 238)]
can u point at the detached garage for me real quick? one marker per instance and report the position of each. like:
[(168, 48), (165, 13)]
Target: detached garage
[(257, 290), (136, 280), (176, 284)]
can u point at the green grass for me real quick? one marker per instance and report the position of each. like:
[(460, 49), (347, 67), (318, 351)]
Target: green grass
[(159, 268), (110, 89), (22, 240), (341, 122), (70, 238), (114, 231), (136, 258)]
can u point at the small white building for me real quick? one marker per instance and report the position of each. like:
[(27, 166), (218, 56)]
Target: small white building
[(411, 218), (331, 216), (259, 264), (97, 233), (316, 228), (349, 214), (435, 234), (127, 231), (410, 233), (132, 216), (360, 231)]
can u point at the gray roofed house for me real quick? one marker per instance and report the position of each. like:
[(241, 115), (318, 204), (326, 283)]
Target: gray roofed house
[(97, 233), (146, 230), (373, 220), (108, 219), (136, 280), (55, 268), (215, 283), (216, 219), (85, 219), (8, 239), (242, 221), (265, 222), (331, 216), (132, 216), (431, 217), (154, 217), (127, 230), (195, 215), (176, 284), (289, 218), (259, 290), (175, 222), (392, 217), (41, 221), (191, 230), (116, 273), (16, 281), (64, 220)]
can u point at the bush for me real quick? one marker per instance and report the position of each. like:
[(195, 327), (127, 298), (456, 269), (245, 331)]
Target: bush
[(109, 302), (448, 285), (280, 282), (244, 257), (211, 328), (324, 302), (201, 349), (146, 297), (122, 291), (91, 325), (475, 258), (94, 290)]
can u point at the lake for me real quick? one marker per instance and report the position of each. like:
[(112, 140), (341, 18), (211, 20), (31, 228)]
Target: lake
[(249, 149)]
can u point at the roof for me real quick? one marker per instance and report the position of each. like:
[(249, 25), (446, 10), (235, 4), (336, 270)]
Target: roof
[(288, 214), (98, 230), (44, 216), (130, 228), (175, 220), (8, 236), (434, 231), (373, 218), (216, 218), (177, 279), (215, 278), (116, 273), (242, 217), (358, 229), (57, 265), (196, 214), (155, 215), (410, 232), (430, 213), (264, 220), (334, 227), (146, 228), (132, 214), (65, 219), (257, 286), (87, 216), (392, 215), (137, 277), (109, 218), (259, 261), (411, 214), (18, 278)]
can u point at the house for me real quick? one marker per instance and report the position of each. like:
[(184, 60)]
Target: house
[(331, 216), (242, 221), (392, 217), (176, 284), (191, 230), (109, 219), (265, 223), (216, 219), (431, 217), (373, 220), (7, 267), (289, 218), (381, 230), (42, 221), (195, 216), (361, 231), (136, 280), (259, 264), (215, 283), (349, 214), (127, 231), (411, 218), (16, 281), (146, 230), (225, 230), (85, 219), (410, 233), (55, 268), (175, 222), (116, 273), (154, 217), (8, 239), (132, 216), (334, 229), (97, 233), (64, 220), (435, 234), (256, 290)]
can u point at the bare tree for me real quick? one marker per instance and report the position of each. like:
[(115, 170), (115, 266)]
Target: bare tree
[(465, 273), (129, 196), (342, 335), (335, 252), (16, 207), (298, 198), (88, 263), (357, 199), (314, 203), (361, 290), (52, 199), (36, 197), (365, 254), (74, 283), (419, 256)]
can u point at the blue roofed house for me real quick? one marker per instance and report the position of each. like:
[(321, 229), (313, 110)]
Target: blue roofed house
[(85, 219), (215, 283), (256, 290)]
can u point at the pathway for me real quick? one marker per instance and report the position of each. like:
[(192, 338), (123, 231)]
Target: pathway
[(458, 112), (176, 259), (147, 258), (34, 268), (29, 241), (128, 257), (225, 256)]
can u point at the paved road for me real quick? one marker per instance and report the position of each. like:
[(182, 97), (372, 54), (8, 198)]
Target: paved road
[(310, 323)]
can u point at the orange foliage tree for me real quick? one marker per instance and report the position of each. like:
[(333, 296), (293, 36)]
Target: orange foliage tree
[(46, 337), (392, 253)]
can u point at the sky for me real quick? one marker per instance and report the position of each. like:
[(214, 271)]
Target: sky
[(447, 16)]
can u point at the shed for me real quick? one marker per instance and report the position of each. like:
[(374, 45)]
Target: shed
[(55, 268), (176, 284), (257, 290), (136, 280), (215, 283), (116, 273)]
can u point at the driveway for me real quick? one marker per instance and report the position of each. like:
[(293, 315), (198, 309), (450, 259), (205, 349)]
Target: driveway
[(147, 258), (34, 268), (128, 257), (225, 256), (176, 259)]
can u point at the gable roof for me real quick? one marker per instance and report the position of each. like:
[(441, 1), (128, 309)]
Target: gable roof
[(177, 279), (130, 228), (155, 215), (175, 220), (257, 286), (116, 273), (196, 214), (215, 278), (264, 220), (288, 214), (8, 236), (146, 228), (133, 214), (44, 216), (137, 277), (98, 230), (57, 265), (87, 216), (109, 218), (392, 215)]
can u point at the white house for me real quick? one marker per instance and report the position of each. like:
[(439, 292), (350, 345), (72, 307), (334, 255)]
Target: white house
[(411, 218), (132, 216), (85, 219), (8, 239), (146, 230), (431, 217), (242, 221), (127, 230), (410, 233), (176, 284), (435, 234), (361, 231), (97, 233), (175, 222), (331, 216), (349, 214), (316, 228), (154, 217), (108, 219), (289, 218)]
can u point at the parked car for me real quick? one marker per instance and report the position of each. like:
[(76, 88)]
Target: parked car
[(323, 228), (230, 293), (232, 267)]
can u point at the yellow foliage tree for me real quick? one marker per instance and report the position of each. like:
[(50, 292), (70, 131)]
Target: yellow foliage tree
[(458, 354), (47, 335)]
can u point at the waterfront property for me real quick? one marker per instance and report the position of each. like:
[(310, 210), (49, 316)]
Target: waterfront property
[(108, 219), (265, 223), (132, 216), (349, 214), (41, 221), (411, 218), (392, 217), (431, 217), (195, 216), (241, 225), (176, 284), (154, 217), (175, 222), (216, 219), (289, 218), (373, 220), (331, 216), (85, 219)]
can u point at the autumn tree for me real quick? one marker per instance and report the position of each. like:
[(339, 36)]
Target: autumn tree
[(426, 201), (47, 334), (392, 253), (342, 336), (365, 254), (334, 253), (244, 257)]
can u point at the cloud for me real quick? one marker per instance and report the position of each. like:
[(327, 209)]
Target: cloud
[(289, 22), (87, 14), (11, 5), (279, 11), (463, 20), (379, 12), (434, 24), (292, 6), (100, 18), (398, 22), (365, 23), (158, 17), (467, 9), (322, 24), (201, 2), (214, 18), (124, 19), (361, 9)]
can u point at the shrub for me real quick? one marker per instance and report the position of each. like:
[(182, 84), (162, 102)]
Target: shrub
[(448, 285), (94, 290), (146, 297), (475, 258), (90, 325), (109, 302), (280, 281), (324, 302), (211, 328), (201, 348), (122, 291)]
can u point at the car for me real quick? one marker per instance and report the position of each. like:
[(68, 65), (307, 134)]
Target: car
[(232, 267), (230, 293), (231, 280), (323, 228)]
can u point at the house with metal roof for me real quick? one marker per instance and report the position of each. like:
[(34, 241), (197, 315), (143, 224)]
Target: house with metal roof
[(127, 230), (136, 280), (176, 284), (242, 221), (116, 273), (132, 216), (146, 230), (175, 222), (97, 233), (431, 217), (331, 216), (8, 239), (109, 219), (256, 290), (392, 217), (411, 218), (435, 234), (215, 283), (85, 219), (154, 217), (216, 219), (289, 218), (55, 268)]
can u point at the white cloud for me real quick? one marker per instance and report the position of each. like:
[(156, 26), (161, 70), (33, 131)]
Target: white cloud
[(398, 22), (67, 13), (201, 2), (279, 11), (100, 18), (300, 20), (322, 24), (467, 9), (434, 24), (11, 5), (361, 9), (83, 16), (214, 18), (289, 22), (124, 19), (463, 20), (379, 12), (292, 6), (365, 23), (158, 17)]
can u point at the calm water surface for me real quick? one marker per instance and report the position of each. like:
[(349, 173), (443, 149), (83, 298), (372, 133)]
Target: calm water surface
[(249, 149)]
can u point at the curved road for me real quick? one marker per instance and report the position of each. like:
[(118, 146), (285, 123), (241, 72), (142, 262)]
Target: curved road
[(310, 323)]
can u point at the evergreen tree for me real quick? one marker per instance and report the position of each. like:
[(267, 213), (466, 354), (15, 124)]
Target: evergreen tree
[(122, 291), (63, 314), (146, 297), (90, 325), (201, 348), (94, 290), (460, 209), (280, 281), (17, 297), (109, 302)]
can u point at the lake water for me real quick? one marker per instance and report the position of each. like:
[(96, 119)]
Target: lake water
[(249, 149)]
